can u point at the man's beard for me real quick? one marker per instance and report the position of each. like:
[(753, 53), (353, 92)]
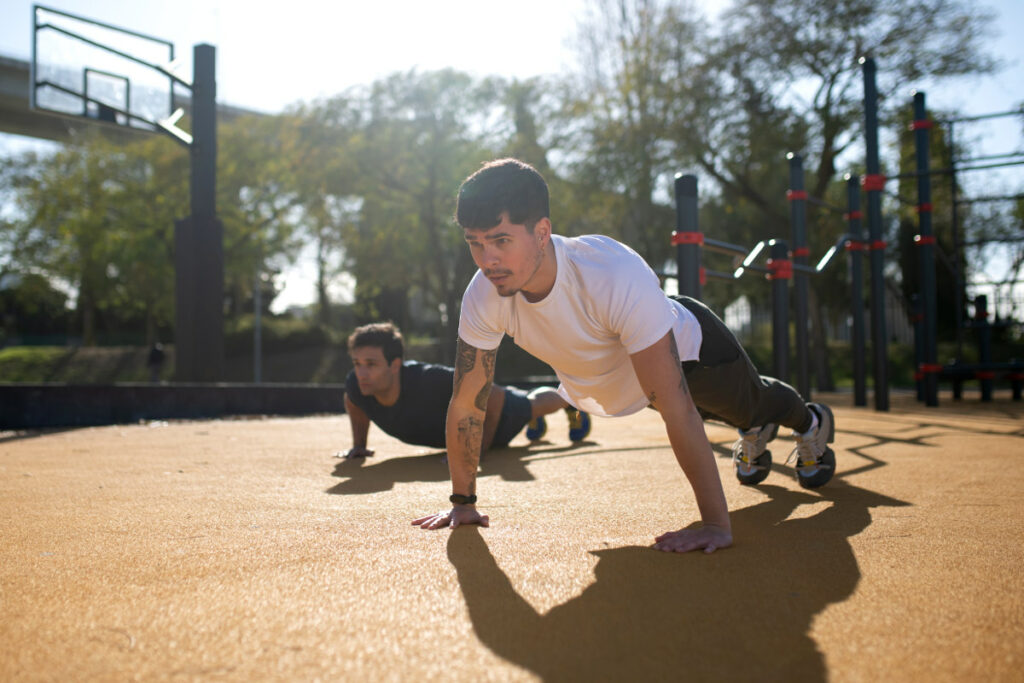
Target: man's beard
[(537, 264)]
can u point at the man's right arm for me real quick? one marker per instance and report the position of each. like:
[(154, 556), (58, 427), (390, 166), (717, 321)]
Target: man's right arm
[(464, 430), (360, 423)]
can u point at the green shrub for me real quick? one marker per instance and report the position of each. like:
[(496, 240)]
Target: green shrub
[(33, 363), (276, 335)]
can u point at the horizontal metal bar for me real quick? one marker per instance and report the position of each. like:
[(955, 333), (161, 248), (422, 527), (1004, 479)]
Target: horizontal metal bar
[(991, 240), (724, 247), (822, 203), (982, 117), (718, 274), (988, 157), (1004, 198)]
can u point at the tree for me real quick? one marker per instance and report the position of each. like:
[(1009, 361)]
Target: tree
[(805, 53), (327, 181), (31, 306), (257, 201), (634, 55), (421, 137), (98, 215)]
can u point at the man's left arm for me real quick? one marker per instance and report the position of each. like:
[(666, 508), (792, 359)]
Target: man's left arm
[(661, 376), (360, 423)]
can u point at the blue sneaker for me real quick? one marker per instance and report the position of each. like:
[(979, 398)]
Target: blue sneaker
[(579, 424), (536, 429)]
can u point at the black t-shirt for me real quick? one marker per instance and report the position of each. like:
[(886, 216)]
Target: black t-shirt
[(418, 416)]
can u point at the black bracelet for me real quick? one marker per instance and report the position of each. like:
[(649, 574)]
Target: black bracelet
[(460, 499)]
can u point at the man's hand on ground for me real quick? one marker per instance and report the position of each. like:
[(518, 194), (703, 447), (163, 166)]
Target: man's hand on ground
[(709, 538), (460, 514), (356, 452)]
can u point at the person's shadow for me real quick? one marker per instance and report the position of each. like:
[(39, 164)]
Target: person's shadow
[(740, 614), (372, 475)]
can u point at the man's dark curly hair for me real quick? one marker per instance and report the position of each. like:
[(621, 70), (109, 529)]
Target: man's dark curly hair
[(502, 186), (384, 336)]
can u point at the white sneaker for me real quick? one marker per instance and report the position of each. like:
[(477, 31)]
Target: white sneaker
[(815, 461), (750, 454)]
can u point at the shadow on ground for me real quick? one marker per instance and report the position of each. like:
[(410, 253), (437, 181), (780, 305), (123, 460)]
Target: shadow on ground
[(363, 475), (745, 615)]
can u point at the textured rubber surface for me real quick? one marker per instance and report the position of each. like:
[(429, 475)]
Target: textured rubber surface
[(240, 550)]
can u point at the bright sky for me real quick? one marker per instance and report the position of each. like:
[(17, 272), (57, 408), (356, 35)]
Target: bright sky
[(269, 58)]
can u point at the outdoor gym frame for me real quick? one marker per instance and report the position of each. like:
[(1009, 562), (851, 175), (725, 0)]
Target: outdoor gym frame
[(783, 265), (780, 267), (929, 370)]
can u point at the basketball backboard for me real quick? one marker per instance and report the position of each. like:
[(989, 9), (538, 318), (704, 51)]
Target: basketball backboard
[(85, 68)]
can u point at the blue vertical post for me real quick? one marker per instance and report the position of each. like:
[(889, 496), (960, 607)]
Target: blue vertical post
[(984, 330), (874, 183), (797, 197), (781, 272), (199, 241), (917, 320), (856, 248), (687, 238), (925, 241)]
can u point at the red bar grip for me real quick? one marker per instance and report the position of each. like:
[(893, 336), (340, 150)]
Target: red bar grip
[(687, 238), (792, 195), (921, 240), (873, 182), (781, 269)]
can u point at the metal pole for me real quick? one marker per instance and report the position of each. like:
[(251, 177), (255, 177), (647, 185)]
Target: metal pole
[(797, 197), (687, 237), (874, 183), (856, 249), (917, 319), (958, 278), (209, 231), (781, 268), (257, 329), (926, 242), (985, 375)]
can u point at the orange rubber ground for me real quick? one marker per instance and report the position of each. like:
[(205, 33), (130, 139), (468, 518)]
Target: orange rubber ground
[(241, 550)]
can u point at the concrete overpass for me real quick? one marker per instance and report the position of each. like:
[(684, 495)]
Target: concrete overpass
[(17, 118)]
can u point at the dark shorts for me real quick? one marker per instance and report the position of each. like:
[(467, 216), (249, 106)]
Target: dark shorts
[(727, 387), (514, 416)]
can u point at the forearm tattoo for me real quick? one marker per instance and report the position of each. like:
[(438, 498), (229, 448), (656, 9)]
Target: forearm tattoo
[(679, 365), (471, 434), (488, 358), (465, 359)]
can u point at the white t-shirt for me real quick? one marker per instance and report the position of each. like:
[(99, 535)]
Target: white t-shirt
[(606, 304)]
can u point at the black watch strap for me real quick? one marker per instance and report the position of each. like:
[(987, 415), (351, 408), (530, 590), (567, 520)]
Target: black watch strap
[(460, 499)]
